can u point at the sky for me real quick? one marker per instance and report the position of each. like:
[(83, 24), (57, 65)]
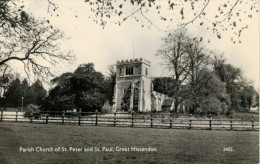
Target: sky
[(91, 43)]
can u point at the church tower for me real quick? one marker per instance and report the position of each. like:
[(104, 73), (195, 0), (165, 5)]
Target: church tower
[(133, 87)]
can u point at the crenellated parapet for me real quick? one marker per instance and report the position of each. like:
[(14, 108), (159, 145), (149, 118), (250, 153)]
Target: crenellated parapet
[(137, 60)]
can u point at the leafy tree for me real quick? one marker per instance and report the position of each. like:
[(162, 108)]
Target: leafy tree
[(257, 99), (240, 90), (38, 92), (247, 95), (33, 94), (163, 85), (212, 97), (110, 83), (56, 101), (26, 92), (14, 94), (210, 105), (82, 89)]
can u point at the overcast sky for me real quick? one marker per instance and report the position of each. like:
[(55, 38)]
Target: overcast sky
[(104, 47)]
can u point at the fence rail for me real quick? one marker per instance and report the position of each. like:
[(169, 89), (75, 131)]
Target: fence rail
[(152, 120)]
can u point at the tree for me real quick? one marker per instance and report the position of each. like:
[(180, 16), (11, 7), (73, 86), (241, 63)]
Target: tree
[(26, 92), (175, 56), (28, 40), (38, 92), (240, 90), (33, 94), (110, 83), (257, 99), (211, 98), (5, 79), (212, 15), (163, 85), (199, 75), (247, 96), (193, 80), (84, 89), (13, 94)]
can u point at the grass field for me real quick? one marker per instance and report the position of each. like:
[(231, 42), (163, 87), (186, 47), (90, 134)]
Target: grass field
[(173, 146), (247, 115)]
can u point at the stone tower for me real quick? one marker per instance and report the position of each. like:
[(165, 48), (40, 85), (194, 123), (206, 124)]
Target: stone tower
[(133, 87)]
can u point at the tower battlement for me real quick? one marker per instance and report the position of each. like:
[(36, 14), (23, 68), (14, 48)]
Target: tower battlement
[(136, 60)]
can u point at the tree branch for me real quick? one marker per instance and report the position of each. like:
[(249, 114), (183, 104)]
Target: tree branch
[(185, 24)]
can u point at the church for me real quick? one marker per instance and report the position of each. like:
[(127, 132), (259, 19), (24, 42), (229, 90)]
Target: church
[(134, 88)]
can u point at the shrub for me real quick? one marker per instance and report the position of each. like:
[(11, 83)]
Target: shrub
[(107, 108), (211, 105)]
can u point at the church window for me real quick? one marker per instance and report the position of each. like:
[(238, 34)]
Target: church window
[(129, 70), (120, 71), (146, 71)]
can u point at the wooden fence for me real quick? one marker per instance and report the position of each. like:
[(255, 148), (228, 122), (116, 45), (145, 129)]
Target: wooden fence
[(152, 120)]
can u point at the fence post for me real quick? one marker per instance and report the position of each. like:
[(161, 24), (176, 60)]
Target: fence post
[(2, 112), (96, 118), (115, 119), (79, 116), (132, 119), (31, 117), (170, 120), (47, 118), (252, 120), (63, 115), (210, 125), (16, 115), (151, 120), (190, 122), (231, 123)]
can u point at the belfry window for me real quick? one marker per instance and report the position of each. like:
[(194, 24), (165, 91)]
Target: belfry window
[(129, 70), (120, 71)]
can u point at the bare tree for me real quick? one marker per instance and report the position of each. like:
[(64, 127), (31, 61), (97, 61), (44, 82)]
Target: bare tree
[(198, 59), (199, 62), (175, 56), (35, 43)]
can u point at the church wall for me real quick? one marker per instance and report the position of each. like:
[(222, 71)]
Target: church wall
[(157, 99), (122, 85), (147, 94), (140, 81)]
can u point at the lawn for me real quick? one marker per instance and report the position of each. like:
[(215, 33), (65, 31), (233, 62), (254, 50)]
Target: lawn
[(172, 146), (246, 115)]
